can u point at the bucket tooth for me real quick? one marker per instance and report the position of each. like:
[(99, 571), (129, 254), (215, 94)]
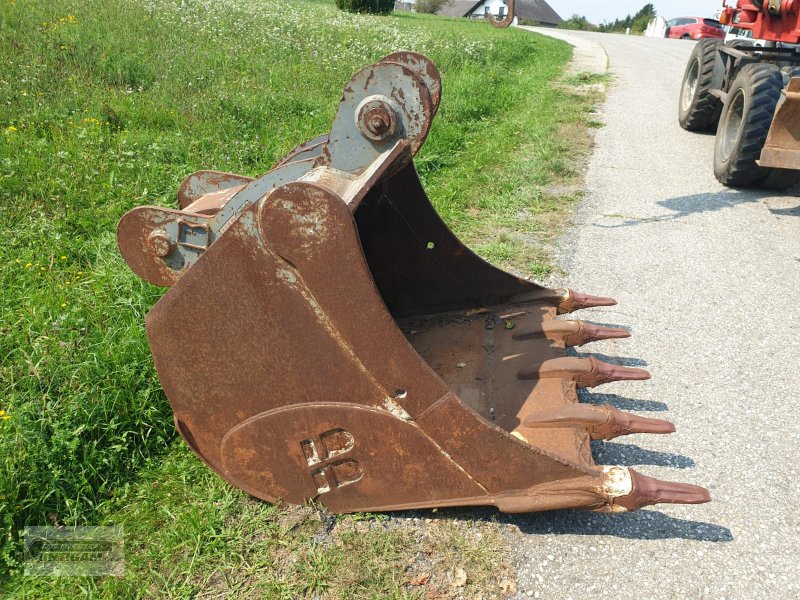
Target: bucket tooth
[(573, 301), (601, 422), (635, 491), (585, 372), (571, 333), (564, 299)]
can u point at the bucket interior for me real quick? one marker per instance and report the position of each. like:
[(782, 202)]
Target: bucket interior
[(460, 314)]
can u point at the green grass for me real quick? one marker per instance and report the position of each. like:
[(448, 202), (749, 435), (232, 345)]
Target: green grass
[(587, 78), (108, 105)]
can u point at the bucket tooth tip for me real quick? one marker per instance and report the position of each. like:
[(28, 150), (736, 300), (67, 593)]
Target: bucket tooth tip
[(601, 422), (574, 332), (592, 332), (603, 372), (576, 301), (623, 423), (585, 372), (616, 332), (646, 491)]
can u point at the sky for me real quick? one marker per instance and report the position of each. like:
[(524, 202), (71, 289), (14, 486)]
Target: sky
[(598, 11)]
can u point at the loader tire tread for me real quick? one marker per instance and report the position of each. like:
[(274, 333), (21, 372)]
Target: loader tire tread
[(761, 84), (703, 112)]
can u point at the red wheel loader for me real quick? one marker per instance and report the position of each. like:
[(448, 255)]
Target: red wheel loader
[(325, 335), (749, 95)]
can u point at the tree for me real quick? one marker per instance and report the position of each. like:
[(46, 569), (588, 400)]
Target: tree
[(637, 23), (430, 7), (375, 7), (642, 18), (576, 22), (648, 10)]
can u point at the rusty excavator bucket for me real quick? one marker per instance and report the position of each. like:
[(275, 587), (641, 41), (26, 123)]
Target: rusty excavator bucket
[(505, 19), (327, 337)]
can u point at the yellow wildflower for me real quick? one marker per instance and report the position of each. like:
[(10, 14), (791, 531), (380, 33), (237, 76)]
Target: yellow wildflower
[(63, 305), (2, 412), (5, 417), (27, 265), (42, 269), (63, 258), (66, 283), (18, 260), (10, 129)]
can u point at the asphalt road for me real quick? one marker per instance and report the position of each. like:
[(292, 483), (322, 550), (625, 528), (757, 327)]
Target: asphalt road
[(709, 280)]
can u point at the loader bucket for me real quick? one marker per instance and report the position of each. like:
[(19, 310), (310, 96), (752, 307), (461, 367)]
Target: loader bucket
[(326, 336), (782, 148)]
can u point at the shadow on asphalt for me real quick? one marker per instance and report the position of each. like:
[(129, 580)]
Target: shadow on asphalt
[(614, 360), (786, 212), (630, 455), (684, 206), (703, 203), (639, 525), (622, 403)]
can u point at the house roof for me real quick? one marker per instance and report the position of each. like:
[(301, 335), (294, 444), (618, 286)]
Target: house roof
[(538, 10), (458, 8)]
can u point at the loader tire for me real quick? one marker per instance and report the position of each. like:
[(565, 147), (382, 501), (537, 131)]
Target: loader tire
[(781, 179), (744, 125), (698, 110)]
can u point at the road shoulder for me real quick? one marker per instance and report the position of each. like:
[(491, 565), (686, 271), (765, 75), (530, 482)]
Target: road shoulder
[(588, 56)]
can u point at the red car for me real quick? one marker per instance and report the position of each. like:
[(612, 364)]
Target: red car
[(694, 28)]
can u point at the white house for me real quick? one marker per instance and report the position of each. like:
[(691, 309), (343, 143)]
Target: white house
[(498, 8), (531, 10)]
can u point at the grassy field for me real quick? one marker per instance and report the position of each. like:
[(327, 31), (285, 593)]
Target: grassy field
[(108, 105)]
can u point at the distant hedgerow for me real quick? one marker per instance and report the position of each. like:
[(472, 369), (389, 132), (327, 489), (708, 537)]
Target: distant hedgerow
[(375, 7)]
